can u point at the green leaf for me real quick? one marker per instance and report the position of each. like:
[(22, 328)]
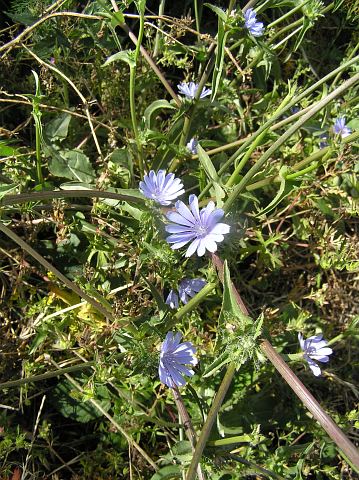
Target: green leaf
[(71, 404), (156, 105), (25, 18), (218, 67), (58, 128), (72, 164), (140, 5), (117, 18), (216, 365), (212, 174), (221, 14), (207, 164), (286, 187), (230, 308), (136, 213), (127, 56), (5, 189), (166, 473), (7, 150)]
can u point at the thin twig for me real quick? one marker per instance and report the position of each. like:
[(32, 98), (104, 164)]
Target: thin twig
[(32, 27)]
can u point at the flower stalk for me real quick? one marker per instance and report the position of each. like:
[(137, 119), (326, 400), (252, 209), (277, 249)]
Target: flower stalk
[(187, 425)]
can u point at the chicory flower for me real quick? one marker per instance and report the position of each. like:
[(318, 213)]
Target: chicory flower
[(201, 228), (315, 348), (172, 299), (192, 146), (340, 127), (250, 22), (189, 90), (161, 188), (189, 287), (173, 358)]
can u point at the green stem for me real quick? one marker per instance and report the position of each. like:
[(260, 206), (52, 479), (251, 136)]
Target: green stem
[(298, 166), (38, 136), (286, 38), (313, 111), (257, 468), (148, 58), (36, 113), (44, 376), (240, 142), (293, 176), (50, 195), (286, 15), (234, 177), (191, 305), (132, 93), (286, 29), (212, 415), (158, 38), (188, 119), (231, 6), (350, 56), (197, 17)]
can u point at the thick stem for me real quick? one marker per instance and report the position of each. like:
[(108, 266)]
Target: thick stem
[(187, 424), (343, 443), (293, 381), (208, 424)]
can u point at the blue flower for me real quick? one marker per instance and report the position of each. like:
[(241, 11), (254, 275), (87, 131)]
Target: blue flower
[(173, 358), (189, 90), (340, 128), (189, 287), (201, 228), (172, 299), (250, 21), (192, 146), (315, 348), (160, 187)]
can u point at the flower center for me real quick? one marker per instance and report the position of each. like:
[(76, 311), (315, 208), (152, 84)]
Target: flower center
[(201, 230), (157, 193)]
